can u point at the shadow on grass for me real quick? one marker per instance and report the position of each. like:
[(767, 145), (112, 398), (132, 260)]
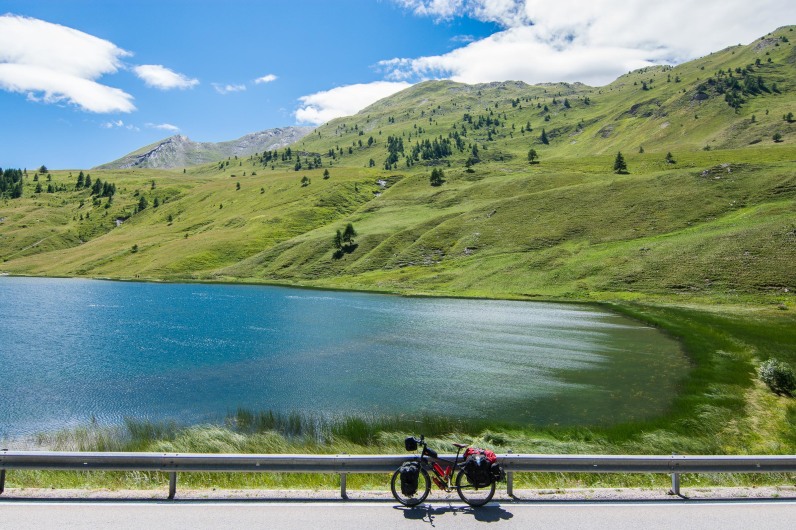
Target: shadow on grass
[(345, 249)]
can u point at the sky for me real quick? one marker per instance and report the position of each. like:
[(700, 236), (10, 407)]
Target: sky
[(84, 82)]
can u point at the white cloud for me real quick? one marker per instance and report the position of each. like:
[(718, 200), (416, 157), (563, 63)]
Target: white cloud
[(463, 38), (112, 124), (163, 127), (344, 101), (226, 89), (270, 78), (158, 76), (52, 63), (119, 124), (440, 9), (593, 42), (505, 12)]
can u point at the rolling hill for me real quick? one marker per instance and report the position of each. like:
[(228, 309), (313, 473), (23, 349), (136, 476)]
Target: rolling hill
[(706, 208)]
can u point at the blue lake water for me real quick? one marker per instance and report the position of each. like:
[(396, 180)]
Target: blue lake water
[(72, 350)]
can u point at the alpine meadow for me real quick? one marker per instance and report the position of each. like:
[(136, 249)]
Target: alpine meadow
[(668, 195)]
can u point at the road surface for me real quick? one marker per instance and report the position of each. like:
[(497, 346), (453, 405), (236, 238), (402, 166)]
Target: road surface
[(580, 515)]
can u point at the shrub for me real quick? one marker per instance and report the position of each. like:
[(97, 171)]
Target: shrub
[(778, 376)]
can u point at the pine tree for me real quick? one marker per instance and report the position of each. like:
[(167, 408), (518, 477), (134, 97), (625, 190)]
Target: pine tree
[(543, 138), (349, 234), (620, 166)]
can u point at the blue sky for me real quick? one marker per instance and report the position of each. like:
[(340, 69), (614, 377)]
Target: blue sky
[(85, 82)]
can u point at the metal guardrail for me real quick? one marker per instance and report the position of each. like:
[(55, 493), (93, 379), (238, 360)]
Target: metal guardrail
[(342, 464)]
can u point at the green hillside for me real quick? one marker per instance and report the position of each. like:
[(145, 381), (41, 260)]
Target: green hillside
[(716, 219)]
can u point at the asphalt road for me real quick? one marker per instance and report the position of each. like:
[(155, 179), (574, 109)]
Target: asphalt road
[(43, 515)]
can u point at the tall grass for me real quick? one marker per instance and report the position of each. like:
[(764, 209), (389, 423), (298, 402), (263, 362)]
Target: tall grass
[(323, 430)]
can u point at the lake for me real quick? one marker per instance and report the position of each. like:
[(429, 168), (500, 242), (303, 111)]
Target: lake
[(73, 351)]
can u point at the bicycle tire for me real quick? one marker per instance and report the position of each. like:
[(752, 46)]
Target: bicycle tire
[(423, 488), (472, 495)]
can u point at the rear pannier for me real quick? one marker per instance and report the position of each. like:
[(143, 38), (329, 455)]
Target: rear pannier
[(481, 467), (478, 471)]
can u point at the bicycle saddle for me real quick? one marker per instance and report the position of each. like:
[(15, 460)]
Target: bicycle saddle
[(461, 446)]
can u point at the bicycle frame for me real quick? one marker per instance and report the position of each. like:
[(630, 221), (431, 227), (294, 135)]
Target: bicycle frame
[(429, 460)]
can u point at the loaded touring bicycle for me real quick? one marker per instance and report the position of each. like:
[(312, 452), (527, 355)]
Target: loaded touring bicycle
[(476, 474)]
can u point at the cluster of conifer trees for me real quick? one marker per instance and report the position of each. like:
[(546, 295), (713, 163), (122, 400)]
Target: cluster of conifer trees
[(98, 187), (11, 183), (737, 85)]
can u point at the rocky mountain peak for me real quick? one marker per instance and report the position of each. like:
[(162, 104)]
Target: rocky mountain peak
[(180, 151)]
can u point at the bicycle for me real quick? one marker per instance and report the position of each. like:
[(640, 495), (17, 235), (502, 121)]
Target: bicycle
[(474, 494)]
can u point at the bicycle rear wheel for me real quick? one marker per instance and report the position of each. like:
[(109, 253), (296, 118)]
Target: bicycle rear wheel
[(423, 487), (471, 494)]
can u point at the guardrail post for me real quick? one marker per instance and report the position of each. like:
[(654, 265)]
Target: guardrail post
[(172, 485), (510, 481), (675, 480), (2, 481), (343, 483)]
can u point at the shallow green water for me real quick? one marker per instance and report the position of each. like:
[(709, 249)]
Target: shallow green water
[(73, 350)]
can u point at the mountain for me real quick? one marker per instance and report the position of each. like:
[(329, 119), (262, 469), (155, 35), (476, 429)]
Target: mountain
[(181, 151), (705, 208)]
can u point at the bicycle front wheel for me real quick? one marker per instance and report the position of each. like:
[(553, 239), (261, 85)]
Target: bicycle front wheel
[(472, 495), (423, 487)]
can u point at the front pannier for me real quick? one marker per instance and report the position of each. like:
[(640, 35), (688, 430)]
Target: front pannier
[(410, 471)]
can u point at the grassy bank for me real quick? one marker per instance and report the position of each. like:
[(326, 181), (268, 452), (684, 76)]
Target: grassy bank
[(721, 409)]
